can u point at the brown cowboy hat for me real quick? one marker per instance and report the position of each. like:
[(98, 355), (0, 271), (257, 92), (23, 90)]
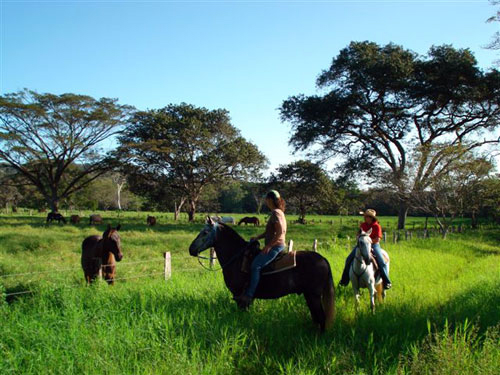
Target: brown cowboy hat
[(370, 213)]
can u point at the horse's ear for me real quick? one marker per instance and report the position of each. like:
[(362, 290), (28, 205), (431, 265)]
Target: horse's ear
[(369, 232), (118, 227), (362, 232), (209, 220)]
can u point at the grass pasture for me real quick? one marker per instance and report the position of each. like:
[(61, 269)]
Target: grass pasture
[(441, 317)]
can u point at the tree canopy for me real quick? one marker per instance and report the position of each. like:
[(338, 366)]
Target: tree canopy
[(305, 185), (380, 103), (188, 148), (53, 140)]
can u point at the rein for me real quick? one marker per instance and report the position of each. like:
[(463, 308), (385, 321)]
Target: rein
[(222, 266)]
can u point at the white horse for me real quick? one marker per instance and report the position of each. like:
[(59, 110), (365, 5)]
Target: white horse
[(224, 219), (362, 271)]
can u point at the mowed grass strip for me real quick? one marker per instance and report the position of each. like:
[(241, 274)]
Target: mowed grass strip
[(443, 312)]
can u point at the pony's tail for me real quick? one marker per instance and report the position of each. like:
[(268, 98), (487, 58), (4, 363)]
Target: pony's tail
[(328, 300)]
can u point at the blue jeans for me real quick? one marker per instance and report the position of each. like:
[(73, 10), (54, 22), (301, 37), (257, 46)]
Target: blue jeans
[(258, 263), (384, 274)]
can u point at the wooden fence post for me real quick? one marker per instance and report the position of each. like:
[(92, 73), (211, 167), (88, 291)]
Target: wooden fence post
[(394, 236), (384, 236), (406, 235), (348, 244), (167, 270), (290, 246), (315, 245), (213, 256), (410, 233)]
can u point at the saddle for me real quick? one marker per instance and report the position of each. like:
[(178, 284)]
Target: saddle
[(284, 261)]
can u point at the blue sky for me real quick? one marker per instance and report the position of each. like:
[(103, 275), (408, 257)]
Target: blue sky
[(245, 56)]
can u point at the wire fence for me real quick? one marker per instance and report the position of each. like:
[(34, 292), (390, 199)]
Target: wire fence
[(59, 270)]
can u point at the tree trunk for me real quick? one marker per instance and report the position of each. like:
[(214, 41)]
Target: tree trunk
[(119, 187), (178, 208), (474, 220), (54, 204), (192, 210), (402, 213)]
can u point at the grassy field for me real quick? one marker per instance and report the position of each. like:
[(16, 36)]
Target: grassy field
[(441, 317)]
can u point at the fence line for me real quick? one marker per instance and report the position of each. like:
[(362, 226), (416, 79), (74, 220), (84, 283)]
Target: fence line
[(73, 268)]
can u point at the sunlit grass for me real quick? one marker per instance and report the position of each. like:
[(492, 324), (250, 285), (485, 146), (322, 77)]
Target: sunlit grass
[(189, 325)]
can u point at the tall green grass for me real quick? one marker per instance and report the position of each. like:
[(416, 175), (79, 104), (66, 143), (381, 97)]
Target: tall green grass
[(442, 316)]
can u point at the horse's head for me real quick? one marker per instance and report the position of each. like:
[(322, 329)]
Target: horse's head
[(112, 243), (365, 245), (205, 239)]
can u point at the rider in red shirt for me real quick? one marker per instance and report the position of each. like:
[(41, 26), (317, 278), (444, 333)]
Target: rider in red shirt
[(371, 222)]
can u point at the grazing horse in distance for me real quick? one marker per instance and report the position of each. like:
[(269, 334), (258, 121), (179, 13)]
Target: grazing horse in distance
[(250, 220), (95, 219), (312, 275), (151, 221), (55, 216), (74, 219), (100, 253), (362, 272)]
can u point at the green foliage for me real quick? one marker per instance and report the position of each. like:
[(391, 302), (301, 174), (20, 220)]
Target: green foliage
[(187, 148), (381, 103), (190, 324), (305, 185), (52, 140)]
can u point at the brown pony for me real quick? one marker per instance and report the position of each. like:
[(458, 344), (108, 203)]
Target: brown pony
[(151, 220), (99, 253), (250, 220)]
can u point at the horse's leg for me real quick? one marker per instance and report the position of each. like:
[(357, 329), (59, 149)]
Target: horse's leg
[(371, 288), (316, 309), (380, 292), (355, 289)]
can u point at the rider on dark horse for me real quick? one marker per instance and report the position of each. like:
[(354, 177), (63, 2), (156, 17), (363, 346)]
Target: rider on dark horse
[(371, 223), (274, 244)]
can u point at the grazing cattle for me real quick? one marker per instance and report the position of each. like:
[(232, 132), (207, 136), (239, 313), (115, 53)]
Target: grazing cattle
[(250, 220), (74, 219), (100, 254), (55, 216), (151, 220), (95, 219)]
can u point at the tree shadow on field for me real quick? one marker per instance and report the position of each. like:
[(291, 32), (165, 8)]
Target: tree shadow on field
[(282, 330)]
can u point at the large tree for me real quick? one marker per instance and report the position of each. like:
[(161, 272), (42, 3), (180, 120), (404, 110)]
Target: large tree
[(305, 186), (190, 148), (53, 140), (380, 103), (457, 191)]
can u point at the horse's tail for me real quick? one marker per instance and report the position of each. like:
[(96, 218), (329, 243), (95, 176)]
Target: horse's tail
[(328, 299)]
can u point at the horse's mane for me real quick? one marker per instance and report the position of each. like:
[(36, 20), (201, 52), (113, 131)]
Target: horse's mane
[(231, 233)]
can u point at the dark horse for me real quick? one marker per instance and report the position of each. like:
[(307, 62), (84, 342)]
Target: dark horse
[(99, 253), (250, 220), (312, 276), (55, 216), (151, 221)]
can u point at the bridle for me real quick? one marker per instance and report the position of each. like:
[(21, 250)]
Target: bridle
[(361, 260), (213, 238)]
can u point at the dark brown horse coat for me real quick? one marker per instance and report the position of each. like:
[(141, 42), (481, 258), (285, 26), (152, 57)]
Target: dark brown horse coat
[(100, 253), (151, 220), (250, 220)]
